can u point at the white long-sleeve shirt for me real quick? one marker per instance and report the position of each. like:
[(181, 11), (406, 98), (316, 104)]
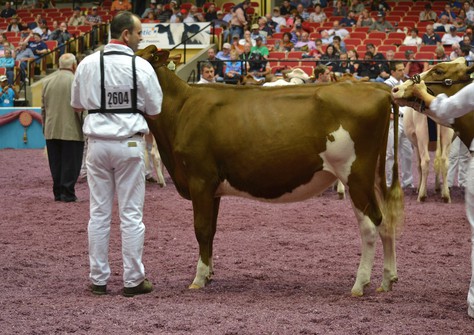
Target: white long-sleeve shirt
[(448, 108)]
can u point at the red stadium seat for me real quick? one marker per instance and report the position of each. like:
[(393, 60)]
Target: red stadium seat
[(403, 48)]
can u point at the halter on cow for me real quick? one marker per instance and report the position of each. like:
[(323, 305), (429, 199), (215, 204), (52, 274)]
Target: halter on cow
[(278, 145), (448, 78)]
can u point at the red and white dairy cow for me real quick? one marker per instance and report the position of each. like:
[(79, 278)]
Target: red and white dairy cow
[(416, 128), (278, 145)]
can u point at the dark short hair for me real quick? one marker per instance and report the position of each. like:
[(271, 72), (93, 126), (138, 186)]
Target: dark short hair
[(206, 65), (393, 65), (122, 21)]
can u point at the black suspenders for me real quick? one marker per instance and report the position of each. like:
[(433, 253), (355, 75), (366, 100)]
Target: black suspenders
[(103, 108)]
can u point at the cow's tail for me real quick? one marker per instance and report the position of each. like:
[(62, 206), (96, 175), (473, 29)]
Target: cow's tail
[(394, 205)]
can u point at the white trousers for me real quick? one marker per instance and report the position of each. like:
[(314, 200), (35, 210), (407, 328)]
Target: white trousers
[(459, 157), (405, 154), (470, 217), (116, 165)]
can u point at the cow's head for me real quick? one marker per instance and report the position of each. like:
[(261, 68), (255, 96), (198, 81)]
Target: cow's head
[(155, 56), (448, 78)]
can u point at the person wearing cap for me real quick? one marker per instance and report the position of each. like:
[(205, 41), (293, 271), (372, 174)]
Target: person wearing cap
[(77, 19), (224, 54), (239, 18), (116, 122), (413, 67), (235, 45), (260, 48), (257, 65), (255, 32), (381, 24), (8, 11), (7, 95), (62, 130), (118, 5), (220, 22), (349, 20), (94, 20), (278, 19), (451, 37)]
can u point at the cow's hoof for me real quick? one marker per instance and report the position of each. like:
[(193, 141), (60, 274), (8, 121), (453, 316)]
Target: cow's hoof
[(422, 199), (446, 200), (194, 287), (342, 196)]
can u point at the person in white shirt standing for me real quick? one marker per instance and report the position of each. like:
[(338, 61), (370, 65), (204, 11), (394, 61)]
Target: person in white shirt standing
[(405, 147), (126, 93)]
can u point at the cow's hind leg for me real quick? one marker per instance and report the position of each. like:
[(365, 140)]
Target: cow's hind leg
[(206, 209), (387, 235)]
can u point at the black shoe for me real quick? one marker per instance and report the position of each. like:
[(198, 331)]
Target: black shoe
[(98, 289), (145, 287), (68, 199)]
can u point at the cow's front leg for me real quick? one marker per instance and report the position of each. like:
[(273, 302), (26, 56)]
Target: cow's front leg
[(206, 209)]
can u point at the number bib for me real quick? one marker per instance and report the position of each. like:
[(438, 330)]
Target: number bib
[(118, 97)]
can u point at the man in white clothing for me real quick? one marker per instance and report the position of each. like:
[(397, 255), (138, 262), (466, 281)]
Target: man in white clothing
[(126, 92), (446, 109), (207, 74), (404, 144)]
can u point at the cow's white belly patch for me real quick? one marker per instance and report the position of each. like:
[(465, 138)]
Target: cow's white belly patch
[(337, 158)]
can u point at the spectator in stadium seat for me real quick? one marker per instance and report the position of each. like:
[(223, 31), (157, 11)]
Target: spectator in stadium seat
[(8, 63), (151, 8), (207, 74), (255, 32), (330, 56), (211, 13), (224, 54), (338, 44), (428, 14), (350, 20), (257, 65), (302, 11), (235, 45), (233, 68), (467, 54), (322, 74), (337, 30), (278, 19), (381, 24), (412, 66), (318, 15), (469, 12), (364, 19), (353, 58), (385, 66), (343, 66), (456, 51), (442, 25), (286, 8), (379, 6), (77, 19), (260, 48), (62, 36), (430, 37), (16, 25), (440, 55), (451, 37), (339, 9), (368, 68), (285, 44), (305, 45), (413, 38), (8, 11), (219, 22), (217, 64), (23, 55), (357, 6), (448, 11), (376, 55), (271, 24), (466, 40), (246, 54), (94, 20), (460, 24)]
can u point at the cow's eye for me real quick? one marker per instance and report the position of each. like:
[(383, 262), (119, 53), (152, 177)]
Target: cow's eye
[(438, 72)]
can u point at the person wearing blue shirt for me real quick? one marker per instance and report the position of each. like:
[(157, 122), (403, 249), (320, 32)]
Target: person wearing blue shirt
[(8, 62), (38, 47), (7, 96)]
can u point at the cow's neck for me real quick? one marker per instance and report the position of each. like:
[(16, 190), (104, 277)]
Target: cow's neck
[(175, 92)]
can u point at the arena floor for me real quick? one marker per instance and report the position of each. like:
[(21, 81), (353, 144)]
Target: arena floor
[(280, 269)]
